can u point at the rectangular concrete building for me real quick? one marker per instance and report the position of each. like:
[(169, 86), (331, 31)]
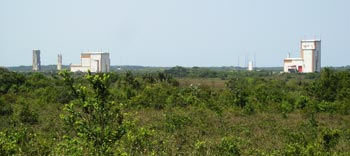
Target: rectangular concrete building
[(310, 58), (93, 61), (311, 54)]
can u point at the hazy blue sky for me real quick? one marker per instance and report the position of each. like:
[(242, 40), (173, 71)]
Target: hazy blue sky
[(173, 32)]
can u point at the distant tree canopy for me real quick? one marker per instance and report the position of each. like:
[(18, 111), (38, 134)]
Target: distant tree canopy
[(10, 79), (182, 72)]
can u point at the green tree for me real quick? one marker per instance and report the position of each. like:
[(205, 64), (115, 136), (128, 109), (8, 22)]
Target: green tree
[(9, 79), (95, 122), (239, 91), (325, 88), (5, 108), (178, 71), (28, 116)]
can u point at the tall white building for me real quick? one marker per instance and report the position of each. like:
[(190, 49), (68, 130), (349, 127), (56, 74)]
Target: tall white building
[(93, 61), (36, 60), (310, 58)]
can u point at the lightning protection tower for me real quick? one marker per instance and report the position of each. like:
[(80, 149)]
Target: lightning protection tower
[(59, 62)]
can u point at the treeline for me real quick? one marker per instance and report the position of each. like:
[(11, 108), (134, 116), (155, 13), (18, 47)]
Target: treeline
[(223, 73), (256, 113)]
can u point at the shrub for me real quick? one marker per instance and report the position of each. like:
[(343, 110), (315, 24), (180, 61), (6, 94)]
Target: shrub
[(5, 108), (229, 146), (28, 116)]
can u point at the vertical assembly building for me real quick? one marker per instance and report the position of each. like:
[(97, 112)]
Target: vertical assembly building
[(93, 61), (310, 58), (36, 60)]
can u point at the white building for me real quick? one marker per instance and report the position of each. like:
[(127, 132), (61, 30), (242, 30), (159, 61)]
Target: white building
[(250, 66), (36, 60), (93, 61), (310, 58)]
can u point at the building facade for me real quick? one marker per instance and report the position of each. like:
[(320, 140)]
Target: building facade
[(36, 60), (310, 58), (93, 61)]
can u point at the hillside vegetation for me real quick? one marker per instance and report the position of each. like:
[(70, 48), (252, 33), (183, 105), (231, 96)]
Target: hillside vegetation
[(177, 111)]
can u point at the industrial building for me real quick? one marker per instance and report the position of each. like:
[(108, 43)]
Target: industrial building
[(36, 60), (93, 61), (309, 61)]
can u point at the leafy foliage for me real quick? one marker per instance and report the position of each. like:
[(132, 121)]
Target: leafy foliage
[(28, 116), (201, 111), (94, 119)]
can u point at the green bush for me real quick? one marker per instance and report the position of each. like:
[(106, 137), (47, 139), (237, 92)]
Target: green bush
[(28, 116), (229, 146), (5, 108)]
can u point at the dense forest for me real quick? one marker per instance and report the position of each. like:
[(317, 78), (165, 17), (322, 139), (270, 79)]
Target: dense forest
[(176, 111)]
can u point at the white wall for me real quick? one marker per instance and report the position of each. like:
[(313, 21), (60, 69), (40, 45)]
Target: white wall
[(85, 62), (95, 65), (96, 62), (79, 68), (308, 61), (311, 51), (296, 62)]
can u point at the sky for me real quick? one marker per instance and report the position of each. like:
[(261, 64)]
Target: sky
[(173, 32)]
